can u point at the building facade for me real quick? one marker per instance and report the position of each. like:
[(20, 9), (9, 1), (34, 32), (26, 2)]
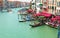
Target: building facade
[(58, 7)]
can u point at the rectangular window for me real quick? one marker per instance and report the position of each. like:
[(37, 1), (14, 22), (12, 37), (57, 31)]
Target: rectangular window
[(58, 3), (39, 1), (52, 1), (45, 0)]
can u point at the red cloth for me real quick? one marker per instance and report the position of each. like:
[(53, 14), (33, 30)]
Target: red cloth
[(43, 14), (34, 15), (38, 14), (53, 19), (58, 17), (29, 10), (46, 14)]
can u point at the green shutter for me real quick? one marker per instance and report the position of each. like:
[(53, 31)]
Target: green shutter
[(40, 4)]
